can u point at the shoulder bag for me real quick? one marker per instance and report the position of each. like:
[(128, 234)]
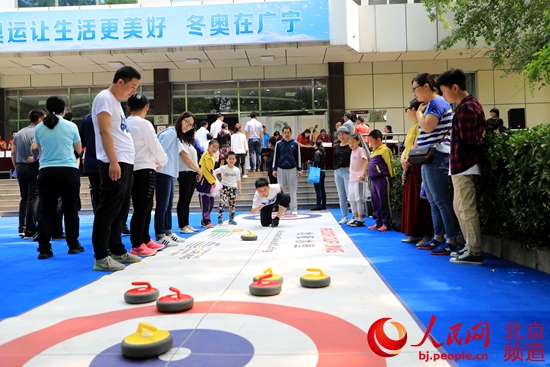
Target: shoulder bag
[(424, 155)]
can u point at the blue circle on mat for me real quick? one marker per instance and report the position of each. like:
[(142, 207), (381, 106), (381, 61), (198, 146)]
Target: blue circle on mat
[(208, 348)]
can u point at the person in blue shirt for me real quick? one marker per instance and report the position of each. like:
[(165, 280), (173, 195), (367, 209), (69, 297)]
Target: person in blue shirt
[(57, 140), (266, 137)]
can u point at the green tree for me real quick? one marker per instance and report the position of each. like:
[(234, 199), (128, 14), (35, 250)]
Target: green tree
[(517, 31)]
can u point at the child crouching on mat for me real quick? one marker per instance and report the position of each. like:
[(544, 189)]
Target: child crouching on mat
[(231, 187), (265, 197)]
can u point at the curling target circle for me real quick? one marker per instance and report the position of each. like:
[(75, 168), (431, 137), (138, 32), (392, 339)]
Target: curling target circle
[(338, 342), (198, 349)]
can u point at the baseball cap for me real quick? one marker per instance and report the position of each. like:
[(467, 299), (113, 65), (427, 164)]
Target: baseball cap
[(342, 129)]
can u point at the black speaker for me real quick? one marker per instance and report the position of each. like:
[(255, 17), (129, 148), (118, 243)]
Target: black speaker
[(516, 118)]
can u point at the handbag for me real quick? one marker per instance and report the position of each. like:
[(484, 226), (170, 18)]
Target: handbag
[(314, 175), (425, 155), (215, 189)]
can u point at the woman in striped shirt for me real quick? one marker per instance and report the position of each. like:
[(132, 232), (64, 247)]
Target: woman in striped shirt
[(434, 122)]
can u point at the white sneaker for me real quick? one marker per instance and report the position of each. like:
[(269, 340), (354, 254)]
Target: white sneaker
[(350, 221), (126, 258), (174, 237), (193, 229), (166, 241), (107, 264), (344, 220), (245, 176), (294, 212), (186, 230)]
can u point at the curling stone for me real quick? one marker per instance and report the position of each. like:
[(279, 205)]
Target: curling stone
[(261, 288), (249, 236), (147, 342), (273, 278), (315, 280), (141, 294), (175, 302)]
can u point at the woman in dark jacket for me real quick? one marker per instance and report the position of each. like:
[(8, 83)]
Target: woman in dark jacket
[(319, 160)]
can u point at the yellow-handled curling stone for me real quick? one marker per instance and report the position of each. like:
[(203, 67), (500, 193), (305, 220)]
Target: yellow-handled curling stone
[(249, 236), (315, 280), (175, 302), (141, 294), (147, 342), (261, 288), (273, 278)]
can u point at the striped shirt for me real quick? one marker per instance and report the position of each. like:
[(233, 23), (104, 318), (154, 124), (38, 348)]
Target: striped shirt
[(442, 110)]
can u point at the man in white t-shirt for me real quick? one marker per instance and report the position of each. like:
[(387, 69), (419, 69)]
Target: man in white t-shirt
[(265, 197), (216, 126), (115, 154), (255, 136)]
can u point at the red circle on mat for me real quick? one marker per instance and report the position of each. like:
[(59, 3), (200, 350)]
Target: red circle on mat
[(338, 342)]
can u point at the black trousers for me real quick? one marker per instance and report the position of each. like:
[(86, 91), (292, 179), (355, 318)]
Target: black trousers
[(27, 174), (114, 202), (93, 178), (283, 199), (143, 191), (55, 183), (187, 181)]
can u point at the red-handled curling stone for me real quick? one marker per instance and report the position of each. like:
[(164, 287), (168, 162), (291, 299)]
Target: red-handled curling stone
[(261, 288), (175, 302), (141, 294), (147, 342), (273, 278)]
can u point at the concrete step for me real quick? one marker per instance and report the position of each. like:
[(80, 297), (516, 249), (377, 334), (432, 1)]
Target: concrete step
[(10, 196)]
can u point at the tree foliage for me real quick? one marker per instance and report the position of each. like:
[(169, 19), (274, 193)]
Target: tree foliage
[(516, 31)]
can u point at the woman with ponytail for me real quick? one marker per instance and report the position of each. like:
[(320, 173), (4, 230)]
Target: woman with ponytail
[(57, 140)]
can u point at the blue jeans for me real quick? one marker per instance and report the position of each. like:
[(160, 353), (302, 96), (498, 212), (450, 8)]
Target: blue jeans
[(255, 151), (341, 177), (435, 177), (165, 200), (320, 192)]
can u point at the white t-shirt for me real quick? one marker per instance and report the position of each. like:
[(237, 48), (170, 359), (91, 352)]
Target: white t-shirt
[(200, 135), (105, 101), (238, 143), (230, 176), (147, 147), (274, 189), (189, 149), (254, 128), (215, 128)]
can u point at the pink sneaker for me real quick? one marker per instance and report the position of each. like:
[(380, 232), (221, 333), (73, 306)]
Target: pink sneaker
[(143, 250), (154, 246)]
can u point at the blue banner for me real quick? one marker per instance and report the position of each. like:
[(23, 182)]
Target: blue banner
[(175, 26)]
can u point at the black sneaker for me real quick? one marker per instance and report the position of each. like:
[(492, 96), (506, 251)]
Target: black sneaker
[(59, 236), (45, 255), (75, 249), (275, 222), (316, 208), (467, 258), (126, 230), (28, 235)]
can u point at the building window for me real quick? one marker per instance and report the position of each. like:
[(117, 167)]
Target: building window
[(269, 98)]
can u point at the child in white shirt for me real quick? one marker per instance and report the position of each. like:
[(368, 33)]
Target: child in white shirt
[(231, 187), (265, 197)]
